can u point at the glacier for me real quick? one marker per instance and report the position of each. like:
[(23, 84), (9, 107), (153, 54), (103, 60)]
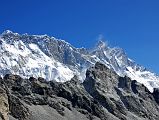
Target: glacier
[(55, 59)]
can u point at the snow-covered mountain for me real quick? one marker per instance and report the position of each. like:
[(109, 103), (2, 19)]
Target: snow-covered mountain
[(55, 59)]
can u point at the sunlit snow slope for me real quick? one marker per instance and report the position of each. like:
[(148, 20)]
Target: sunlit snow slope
[(54, 59), (28, 60)]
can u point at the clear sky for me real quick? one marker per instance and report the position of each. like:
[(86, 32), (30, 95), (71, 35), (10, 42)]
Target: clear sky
[(130, 24)]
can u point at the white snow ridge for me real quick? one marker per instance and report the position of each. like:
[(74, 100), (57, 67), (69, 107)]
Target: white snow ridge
[(28, 60), (54, 59)]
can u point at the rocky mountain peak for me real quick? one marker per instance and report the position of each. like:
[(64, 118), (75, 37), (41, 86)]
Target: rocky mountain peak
[(101, 44), (7, 32)]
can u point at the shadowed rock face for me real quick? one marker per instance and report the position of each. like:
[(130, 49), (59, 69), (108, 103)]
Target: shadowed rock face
[(102, 96), (122, 97)]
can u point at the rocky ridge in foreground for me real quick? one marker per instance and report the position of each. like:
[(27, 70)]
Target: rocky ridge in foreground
[(102, 96)]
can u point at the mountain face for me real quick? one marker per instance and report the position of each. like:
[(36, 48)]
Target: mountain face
[(54, 59), (103, 95), (44, 78)]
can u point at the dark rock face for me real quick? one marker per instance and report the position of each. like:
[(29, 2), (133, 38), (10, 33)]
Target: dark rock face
[(156, 95), (102, 96), (120, 96), (17, 108)]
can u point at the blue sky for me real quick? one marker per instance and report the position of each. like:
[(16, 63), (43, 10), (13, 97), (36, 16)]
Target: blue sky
[(130, 24)]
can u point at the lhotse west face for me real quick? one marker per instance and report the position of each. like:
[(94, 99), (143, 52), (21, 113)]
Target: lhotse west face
[(55, 59)]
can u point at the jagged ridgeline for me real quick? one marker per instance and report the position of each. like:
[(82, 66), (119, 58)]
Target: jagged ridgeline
[(54, 59), (103, 95)]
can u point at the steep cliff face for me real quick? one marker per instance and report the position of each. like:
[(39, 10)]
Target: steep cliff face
[(122, 97), (102, 96)]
